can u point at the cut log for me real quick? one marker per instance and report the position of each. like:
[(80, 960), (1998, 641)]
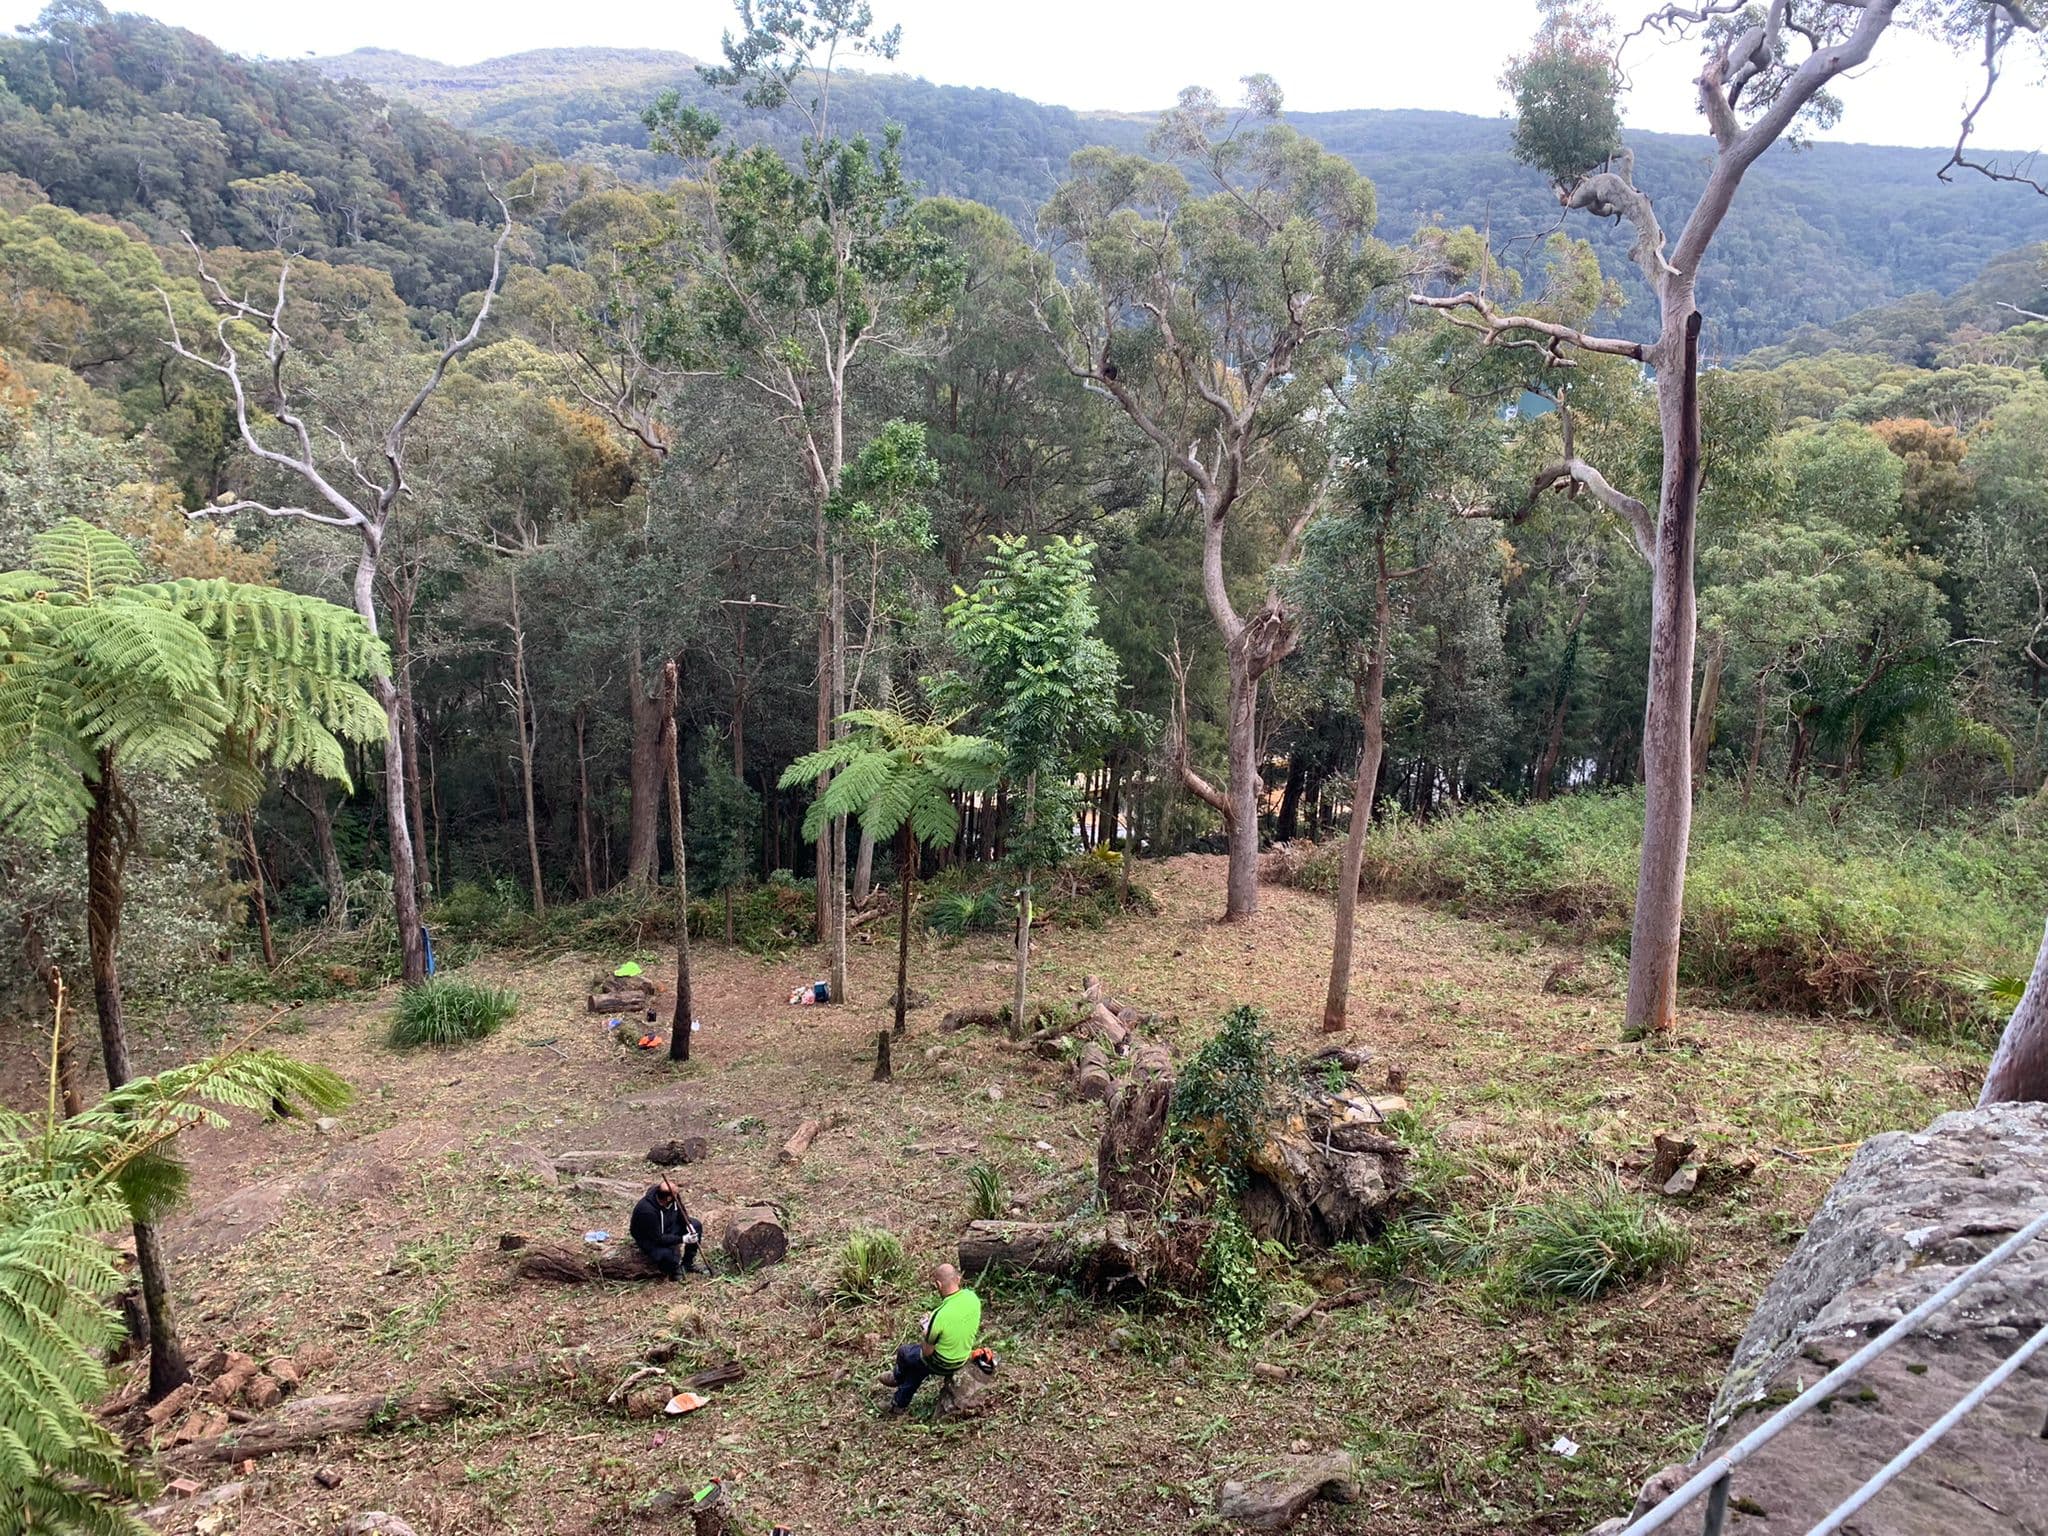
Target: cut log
[(687, 1149), (754, 1236), (588, 1161), (625, 1191), (578, 1263), (1130, 1164), (1091, 988), (617, 1000), (793, 1150), (1091, 1075), (1273, 1499), (1668, 1155), (304, 1421), (967, 1394), (963, 1018), (1101, 1025), (241, 1370), (1109, 1255), (1346, 1058)]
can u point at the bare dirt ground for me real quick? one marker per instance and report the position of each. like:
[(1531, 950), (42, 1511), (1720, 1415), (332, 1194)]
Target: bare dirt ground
[(379, 1237)]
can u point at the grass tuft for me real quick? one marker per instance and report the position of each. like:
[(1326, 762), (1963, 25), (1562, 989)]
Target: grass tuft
[(444, 1010), (1580, 1246), (871, 1265), (987, 1198)]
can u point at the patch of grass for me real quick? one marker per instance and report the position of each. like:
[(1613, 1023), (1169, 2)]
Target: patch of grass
[(445, 1010), (1835, 906), (987, 1198), (1580, 1246), (871, 1265), (954, 913)]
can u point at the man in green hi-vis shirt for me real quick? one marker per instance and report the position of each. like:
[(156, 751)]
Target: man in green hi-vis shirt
[(947, 1340)]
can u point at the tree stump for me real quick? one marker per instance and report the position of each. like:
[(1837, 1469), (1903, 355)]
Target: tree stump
[(687, 1149), (883, 1070), (968, 1393), (962, 1018), (1273, 1499), (1130, 1166), (754, 1236)]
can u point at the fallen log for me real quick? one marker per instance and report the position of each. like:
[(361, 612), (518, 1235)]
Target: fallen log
[(755, 1236), (577, 1263), (963, 1018), (794, 1149), (305, 1421), (1300, 1315), (619, 1002), (687, 1149), (1101, 1025), (1109, 1255), (1274, 1498)]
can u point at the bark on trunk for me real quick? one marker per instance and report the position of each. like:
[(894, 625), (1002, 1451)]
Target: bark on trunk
[(332, 878), (646, 775), (109, 835), (2019, 1068), (257, 892), (1667, 718), (1241, 829), (1372, 715), (1709, 703), (1286, 824), (521, 707), (908, 877), (836, 871), (685, 1015), (584, 863), (408, 724)]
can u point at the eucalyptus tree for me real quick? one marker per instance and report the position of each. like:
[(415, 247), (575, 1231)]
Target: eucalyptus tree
[(1765, 73), (1412, 457), (1043, 681), (1216, 313), (104, 675), (356, 488), (796, 278)]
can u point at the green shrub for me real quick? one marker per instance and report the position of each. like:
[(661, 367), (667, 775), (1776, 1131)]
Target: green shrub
[(986, 1196), (1222, 1099), (1234, 1289), (1581, 1246), (871, 1265), (444, 1010)]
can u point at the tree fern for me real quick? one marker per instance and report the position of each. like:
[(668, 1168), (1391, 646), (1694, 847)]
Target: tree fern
[(62, 1184)]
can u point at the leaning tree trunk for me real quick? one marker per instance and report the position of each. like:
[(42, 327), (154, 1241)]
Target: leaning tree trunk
[(1709, 704), (2019, 1069), (685, 1016), (257, 892), (109, 834), (332, 876), (1667, 715), (1372, 714)]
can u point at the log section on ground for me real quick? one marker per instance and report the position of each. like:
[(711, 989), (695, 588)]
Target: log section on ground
[(754, 1236), (575, 1263), (308, 1420), (1106, 1255)]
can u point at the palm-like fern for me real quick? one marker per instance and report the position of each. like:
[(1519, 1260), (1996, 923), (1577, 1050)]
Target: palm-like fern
[(164, 677), (62, 1183), (103, 672), (897, 773)]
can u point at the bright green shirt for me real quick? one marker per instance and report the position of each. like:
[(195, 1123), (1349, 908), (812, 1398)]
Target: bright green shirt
[(956, 1323)]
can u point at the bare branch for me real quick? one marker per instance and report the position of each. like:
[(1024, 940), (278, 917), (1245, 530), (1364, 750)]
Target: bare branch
[(1500, 328)]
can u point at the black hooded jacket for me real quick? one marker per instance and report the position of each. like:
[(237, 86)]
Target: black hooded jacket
[(658, 1226)]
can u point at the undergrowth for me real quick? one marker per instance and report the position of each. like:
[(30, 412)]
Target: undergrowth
[(445, 1010), (871, 1265), (1827, 907)]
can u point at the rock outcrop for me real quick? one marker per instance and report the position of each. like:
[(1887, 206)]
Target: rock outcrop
[(1910, 1212)]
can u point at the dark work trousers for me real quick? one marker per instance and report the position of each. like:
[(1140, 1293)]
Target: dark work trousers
[(672, 1261), (911, 1370)]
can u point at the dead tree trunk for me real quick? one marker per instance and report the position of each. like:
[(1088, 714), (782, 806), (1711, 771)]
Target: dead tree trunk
[(2019, 1068), (257, 893), (685, 1015)]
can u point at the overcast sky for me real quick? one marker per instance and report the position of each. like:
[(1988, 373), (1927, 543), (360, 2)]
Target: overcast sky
[(1133, 55)]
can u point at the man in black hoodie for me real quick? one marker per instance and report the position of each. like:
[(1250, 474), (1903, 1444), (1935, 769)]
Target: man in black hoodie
[(664, 1232)]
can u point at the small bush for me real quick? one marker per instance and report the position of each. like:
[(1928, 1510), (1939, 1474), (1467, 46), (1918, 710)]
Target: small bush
[(1581, 1246), (444, 1010), (871, 1265), (1234, 1288), (1223, 1098)]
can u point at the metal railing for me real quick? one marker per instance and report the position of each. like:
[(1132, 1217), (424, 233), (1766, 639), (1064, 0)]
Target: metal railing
[(1713, 1478)]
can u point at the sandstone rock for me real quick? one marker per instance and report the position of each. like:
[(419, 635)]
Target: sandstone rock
[(1909, 1213), (375, 1522), (522, 1161), (1274, 1498)]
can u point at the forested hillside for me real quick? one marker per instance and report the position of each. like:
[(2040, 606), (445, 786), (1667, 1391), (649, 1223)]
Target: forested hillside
[(1821, 232)]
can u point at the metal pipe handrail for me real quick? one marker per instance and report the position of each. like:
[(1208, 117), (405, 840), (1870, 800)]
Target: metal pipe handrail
[(1721, 1467)]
